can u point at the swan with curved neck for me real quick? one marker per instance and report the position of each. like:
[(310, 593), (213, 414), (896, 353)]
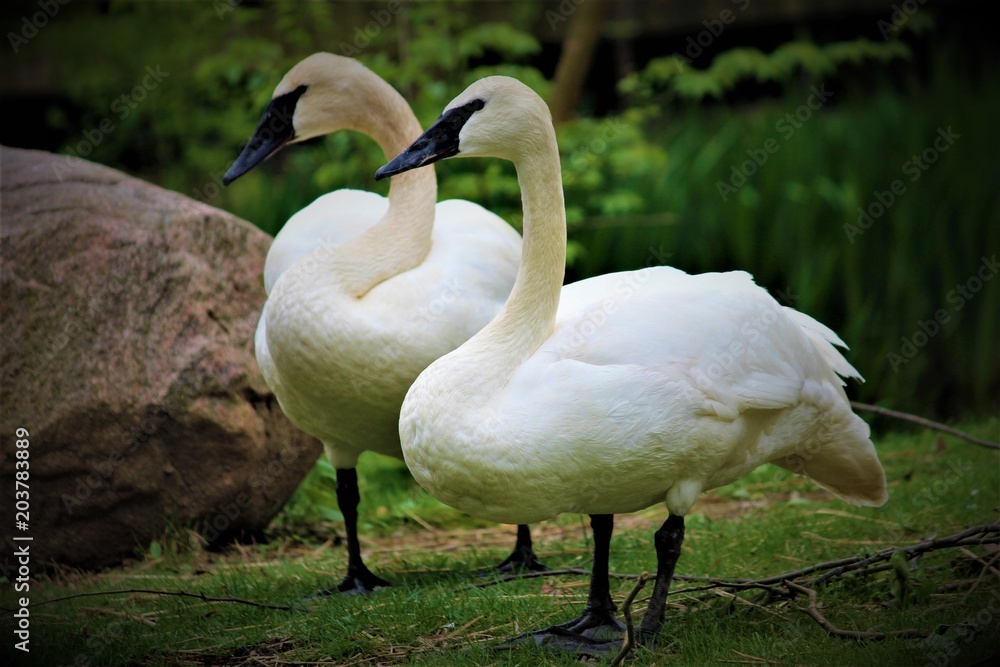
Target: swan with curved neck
[(621, 391), (364, 292)]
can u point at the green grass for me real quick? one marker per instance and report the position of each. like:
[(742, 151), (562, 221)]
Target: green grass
[(770, 522)]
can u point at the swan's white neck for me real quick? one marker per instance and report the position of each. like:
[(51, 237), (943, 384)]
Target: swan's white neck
[(402, 238), (528, 317)]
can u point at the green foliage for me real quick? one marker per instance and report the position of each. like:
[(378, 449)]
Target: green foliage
[(672, 77)]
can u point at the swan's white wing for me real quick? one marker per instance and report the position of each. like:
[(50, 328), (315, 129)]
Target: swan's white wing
[(824, 339), (659, 384), (483, 250), (719, 330), (332, 219)]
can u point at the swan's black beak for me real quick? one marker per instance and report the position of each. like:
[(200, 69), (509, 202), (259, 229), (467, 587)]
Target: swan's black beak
[(440, 141), (435, 144), (274, 131)]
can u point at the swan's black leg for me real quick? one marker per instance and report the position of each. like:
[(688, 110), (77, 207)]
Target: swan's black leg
[(359, 579), (596, 630), (523, 557), (668, 541), (600, 610)]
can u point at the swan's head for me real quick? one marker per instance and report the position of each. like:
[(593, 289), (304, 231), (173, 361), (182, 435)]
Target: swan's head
[(320, 95), (495, 117)]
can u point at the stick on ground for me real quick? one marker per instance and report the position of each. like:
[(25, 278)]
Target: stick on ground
[(928, 423), (813, 612), (629, 642)]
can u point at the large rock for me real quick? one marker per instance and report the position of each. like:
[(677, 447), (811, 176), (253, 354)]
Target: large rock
[(128, 315)]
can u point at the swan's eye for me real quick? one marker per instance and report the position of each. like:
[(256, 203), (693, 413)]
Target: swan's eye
[(456, 118), (282, 107)]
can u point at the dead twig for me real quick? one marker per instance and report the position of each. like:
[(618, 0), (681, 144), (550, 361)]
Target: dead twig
[(141, 618), (183, 594), (813, 612), (974, 535), (440, 639), (750, 659), (987, 567), (554, 573), (735, 585), (927, 423), (629, 642), (579, 571)]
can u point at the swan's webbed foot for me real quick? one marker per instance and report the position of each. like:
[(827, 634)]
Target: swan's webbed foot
[(595, 623), (560, 639), (595, 632), (521, 559), (359, 582)]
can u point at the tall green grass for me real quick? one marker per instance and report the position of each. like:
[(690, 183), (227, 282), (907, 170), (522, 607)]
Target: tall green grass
[(786, 225)]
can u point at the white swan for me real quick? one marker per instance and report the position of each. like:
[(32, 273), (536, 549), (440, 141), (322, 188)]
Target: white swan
[(364, 292), (618, 392)]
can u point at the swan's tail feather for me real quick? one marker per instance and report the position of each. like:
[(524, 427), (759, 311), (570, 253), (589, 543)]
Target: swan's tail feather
[(824, 339), (840, 455)]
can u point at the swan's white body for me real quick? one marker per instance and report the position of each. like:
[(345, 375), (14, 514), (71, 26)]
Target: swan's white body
[(618, 392), (341, 365), (365, 291), (655, 385)]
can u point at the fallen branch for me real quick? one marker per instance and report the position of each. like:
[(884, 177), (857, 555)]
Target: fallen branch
[(974, 535), (928, 423), (813, 612), (987, 533), (987, 567), (554, 573), (629, 642), (183, 594), (573, 571)]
